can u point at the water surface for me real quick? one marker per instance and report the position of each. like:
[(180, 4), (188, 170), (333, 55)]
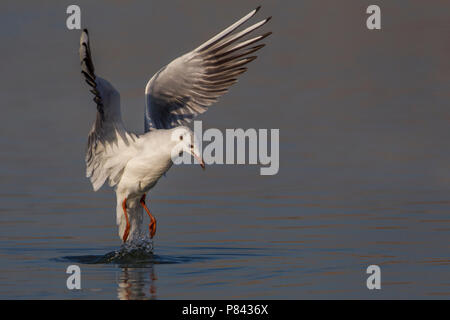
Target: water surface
[(364, 175)]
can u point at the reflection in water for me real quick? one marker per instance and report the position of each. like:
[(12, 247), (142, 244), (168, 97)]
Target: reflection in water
[(136, 261), (137, 283)]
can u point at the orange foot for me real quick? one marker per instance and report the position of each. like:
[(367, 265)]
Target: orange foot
[(152, 225)]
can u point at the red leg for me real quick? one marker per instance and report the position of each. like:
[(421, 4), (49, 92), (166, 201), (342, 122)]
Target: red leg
[(152, 225), (127, 229)]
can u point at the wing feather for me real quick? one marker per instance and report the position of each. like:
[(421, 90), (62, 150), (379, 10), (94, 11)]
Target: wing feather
[(105, 156), (191, 83)]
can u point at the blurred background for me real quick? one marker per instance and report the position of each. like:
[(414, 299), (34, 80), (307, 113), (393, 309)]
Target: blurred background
[(364, 160)]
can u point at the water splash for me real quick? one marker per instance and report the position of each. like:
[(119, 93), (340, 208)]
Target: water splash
[(142, 244), (135, 251), (138, 251)]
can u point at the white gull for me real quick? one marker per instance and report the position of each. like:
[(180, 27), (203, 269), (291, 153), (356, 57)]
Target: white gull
[(186, 87)]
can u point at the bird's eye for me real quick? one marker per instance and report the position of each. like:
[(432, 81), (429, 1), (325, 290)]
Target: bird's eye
[(181, 137), (192, 146)]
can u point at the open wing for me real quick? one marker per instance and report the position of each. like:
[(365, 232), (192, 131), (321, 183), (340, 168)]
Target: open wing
[(191, 83), (105, 156)]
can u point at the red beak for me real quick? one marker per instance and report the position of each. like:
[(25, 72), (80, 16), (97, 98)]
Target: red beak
[(202, 164)]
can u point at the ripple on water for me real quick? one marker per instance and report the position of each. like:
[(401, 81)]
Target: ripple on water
[(137, 252)]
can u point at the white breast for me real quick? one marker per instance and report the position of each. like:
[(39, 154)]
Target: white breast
[(143, 171)]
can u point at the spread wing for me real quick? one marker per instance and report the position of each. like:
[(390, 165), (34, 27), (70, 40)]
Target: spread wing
[(105, 156), (191, 83)]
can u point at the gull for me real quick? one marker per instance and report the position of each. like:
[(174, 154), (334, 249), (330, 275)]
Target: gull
[(133, 163)]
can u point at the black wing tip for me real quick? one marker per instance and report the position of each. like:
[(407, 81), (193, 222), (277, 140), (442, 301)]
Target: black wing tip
[(84, 38), (259, 46), (257, 8), (250, 59)]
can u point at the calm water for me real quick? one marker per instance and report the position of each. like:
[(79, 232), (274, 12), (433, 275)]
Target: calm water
[(364, 174)]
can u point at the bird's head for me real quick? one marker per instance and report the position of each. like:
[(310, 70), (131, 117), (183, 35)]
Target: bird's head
[(184, 142)]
